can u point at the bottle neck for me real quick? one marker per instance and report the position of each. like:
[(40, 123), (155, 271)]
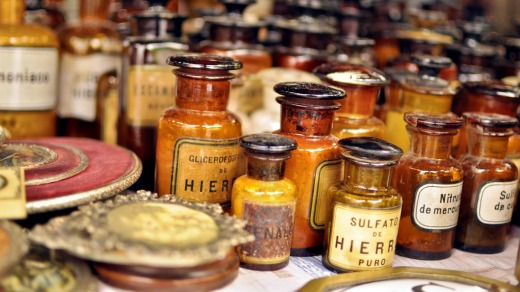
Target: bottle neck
[(12, 11), (490, 146), (366, 176), (360, 102), (201, 93), (306, 120), (265, 169), (94, 9), (430, 143)]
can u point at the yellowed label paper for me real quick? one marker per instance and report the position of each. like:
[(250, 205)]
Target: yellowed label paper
[(12, 193), (327, 173)]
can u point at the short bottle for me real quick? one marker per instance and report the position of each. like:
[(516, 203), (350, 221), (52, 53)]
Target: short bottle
[(267, 200), (198, 152), (366, 202), (430, 182), (307, 110), (490, 184), (29, 77), (362, 85)]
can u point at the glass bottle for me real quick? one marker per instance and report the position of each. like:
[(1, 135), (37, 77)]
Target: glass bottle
[(198, 151), (89, 48), (44, 13), (424, 92), (508, 65), (147, 85), (367, 203), (29, 77), (362, 85), (267, 200), (490, 183), (307, 110), (430, 182)]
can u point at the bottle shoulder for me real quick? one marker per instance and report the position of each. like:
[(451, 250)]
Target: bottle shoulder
[(87, 37), (387, 197), (28, 35)]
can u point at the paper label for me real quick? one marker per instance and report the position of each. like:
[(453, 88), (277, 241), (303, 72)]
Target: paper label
[(150, 90), (28, 78), (363, 239), (495, 202), (436, 206), (78, 84), (326, 174), (204, 170), (272, 226), (12, 193)]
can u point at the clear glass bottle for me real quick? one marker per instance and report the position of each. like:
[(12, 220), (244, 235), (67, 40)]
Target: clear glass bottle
[(430, 182), (307, 110), (267, 200), (370, 207), (89, 48), (29, 74), (362, 85), (425, 92), (147, 85), (490, 184), (198, 151)]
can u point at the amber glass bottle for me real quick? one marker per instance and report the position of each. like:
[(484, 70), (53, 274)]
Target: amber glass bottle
[(370, 207), (198, 151), (490, 183), (362, 85), (267, 200), (424, 92), (44, 13), (430, 182), (307, 110), (29, 74), (148, 87), (89, 48)]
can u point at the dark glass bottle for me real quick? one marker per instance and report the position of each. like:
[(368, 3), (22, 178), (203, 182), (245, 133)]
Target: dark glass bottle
[(198, 151), (267, 200), (430, 182), (45, 14), (490, 184), (306, 116), (147, 85), (366, 201)]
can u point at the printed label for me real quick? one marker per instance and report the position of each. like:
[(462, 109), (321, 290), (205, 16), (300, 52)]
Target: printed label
[(495, 202), (272, 226), (150, 89), (436, 206), (413, 285), (12, 193), (78, 83), (204, 170), (363, 239), (326, 174), (28, 78)]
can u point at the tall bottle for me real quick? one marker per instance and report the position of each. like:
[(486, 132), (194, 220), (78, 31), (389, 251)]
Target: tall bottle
[(198, 151), (29, 74), (307, 110), (89, 48), (267, 200), (147, 85), (366, 201), (490, 184), (362, 85), (430, 181), (425, 92)]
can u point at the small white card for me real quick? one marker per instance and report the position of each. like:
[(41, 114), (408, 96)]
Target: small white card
[(12, 193)]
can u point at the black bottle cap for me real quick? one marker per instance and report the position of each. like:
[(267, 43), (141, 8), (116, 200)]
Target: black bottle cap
[(433, 121), (267, 143), (494, 88), (309, 90), (340, 73), (430, 65), (490, 120), (204, 61), (371, 148)]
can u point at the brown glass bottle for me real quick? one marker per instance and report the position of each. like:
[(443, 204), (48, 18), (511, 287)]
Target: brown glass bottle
[(89, 48), (362, 85), (44, 13), (267, 200), (430, 182), (307, 110), (490, 184), (29, 77), (147, 85), (198, 151), (371, 207)]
